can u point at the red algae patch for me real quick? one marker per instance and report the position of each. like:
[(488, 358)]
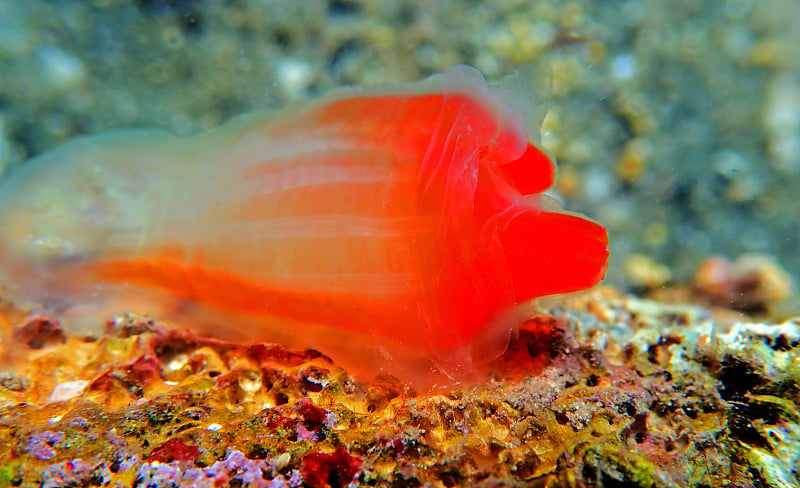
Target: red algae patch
[(173, 450), (334, 470), (537, 341), (39, 332)]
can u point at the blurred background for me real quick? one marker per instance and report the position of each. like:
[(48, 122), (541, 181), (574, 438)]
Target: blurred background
[(675, 123)]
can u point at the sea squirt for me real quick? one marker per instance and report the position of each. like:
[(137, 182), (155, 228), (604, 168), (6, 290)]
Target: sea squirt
[(394, 229)]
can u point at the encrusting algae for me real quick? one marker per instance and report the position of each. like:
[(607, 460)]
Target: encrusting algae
[(604, 389)]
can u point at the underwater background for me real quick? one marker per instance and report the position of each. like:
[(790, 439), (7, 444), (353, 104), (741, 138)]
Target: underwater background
[(676, 124)]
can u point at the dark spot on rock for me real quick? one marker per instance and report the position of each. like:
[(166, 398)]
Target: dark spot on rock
[(16, 480), (96, 479), (607, 481), (258, 452), (637, 429), (589, 472), (169, 345), (664, 408), (592, 380), (186, 426), (652, 354), (314, 379), (196, 413), (39, 332), (709, 407), (742, 417), (627, 407), (342, 58), (676, 318), (334, 470), (738, 378), (282, 37), (628, 353), (783, 343), (401, 482), (659, 353), (525, 468), (281, 398), (159, 414), (592, 356), (450, 478)]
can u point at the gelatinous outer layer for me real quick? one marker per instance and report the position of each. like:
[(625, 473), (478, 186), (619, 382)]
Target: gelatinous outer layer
[(395, 228)]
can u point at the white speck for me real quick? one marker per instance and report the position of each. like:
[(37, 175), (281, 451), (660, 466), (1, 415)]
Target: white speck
[(170, 383), (62, 69), (55, 419), (597, 184), (178, 362), (66, 391), (782, 123), (623, 67), (293, 76), (729, 163), (214, 427)]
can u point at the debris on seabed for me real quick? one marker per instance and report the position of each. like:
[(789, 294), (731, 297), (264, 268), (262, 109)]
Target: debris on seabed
[(601, 389)]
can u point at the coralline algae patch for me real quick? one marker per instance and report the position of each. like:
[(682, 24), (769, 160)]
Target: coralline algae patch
[(605, 391)]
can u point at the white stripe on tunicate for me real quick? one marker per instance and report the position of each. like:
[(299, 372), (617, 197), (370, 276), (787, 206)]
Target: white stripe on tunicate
[(297, 227), (256, 150), (306, 176), (288, 167)]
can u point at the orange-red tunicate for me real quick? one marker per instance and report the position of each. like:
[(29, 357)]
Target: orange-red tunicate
[(393, 229)]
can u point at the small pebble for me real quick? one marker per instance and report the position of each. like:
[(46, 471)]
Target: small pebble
[(67, 391)]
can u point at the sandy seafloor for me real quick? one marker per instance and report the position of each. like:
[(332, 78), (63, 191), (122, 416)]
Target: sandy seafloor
[(675, 123)]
